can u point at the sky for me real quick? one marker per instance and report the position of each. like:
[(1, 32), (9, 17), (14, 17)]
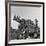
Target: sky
[(26, 13)]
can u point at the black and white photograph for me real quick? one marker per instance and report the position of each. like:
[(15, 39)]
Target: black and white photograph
[(25, 22)]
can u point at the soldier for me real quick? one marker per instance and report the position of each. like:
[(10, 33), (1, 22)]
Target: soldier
[(36, 28)]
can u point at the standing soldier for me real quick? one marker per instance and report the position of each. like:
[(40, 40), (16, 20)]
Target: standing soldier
[(36, 24), (36, 28)]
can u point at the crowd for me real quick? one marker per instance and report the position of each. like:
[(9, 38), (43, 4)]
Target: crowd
[(26, 30)]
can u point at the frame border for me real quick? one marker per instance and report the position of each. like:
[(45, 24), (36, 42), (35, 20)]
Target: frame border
[(6, 13)]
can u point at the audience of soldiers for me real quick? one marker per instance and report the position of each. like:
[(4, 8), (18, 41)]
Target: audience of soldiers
[(26, 30)]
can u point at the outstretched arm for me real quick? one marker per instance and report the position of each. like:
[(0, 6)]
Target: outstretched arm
[(16, 18)]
